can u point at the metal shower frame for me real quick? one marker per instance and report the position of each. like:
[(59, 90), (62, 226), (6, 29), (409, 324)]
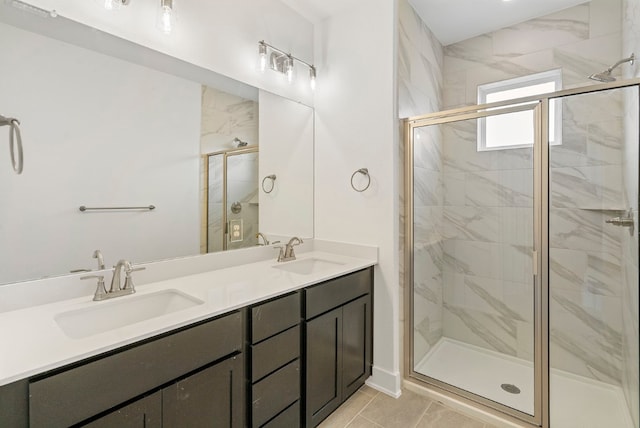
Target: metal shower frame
[(539, 104)]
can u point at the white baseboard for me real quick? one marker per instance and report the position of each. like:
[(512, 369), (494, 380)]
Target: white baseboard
[(385, 382)]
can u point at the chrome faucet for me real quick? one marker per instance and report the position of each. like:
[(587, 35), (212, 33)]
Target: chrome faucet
[(97, 254), (264, 238), (286, 253), (116, 289), (117, 273)]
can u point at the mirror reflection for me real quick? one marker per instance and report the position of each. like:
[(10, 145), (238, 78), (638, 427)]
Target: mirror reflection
[(110, 124)]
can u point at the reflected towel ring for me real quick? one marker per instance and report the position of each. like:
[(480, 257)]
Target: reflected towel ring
[(15, 142), (365, 172), (271, 177)]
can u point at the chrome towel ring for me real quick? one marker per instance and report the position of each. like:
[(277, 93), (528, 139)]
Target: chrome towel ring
[(271, 177), (15, 142), (365, 172)]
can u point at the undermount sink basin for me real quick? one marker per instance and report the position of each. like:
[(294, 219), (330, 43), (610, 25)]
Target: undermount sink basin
[(123, 311), (307, 266)]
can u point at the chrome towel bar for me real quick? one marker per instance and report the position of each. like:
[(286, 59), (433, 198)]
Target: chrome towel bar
[(147, 208)]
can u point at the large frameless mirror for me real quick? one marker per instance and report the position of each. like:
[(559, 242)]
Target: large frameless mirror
[(110, 124)]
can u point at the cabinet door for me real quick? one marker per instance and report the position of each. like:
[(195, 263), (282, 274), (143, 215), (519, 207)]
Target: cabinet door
[(143, 413), (356, 344), (323, 366), (213, 397)]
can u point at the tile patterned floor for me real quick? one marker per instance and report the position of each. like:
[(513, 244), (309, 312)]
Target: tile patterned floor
[(368, 408)]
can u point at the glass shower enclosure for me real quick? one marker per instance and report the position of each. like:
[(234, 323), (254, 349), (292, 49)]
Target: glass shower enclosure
[(231, 199), (522, 256)]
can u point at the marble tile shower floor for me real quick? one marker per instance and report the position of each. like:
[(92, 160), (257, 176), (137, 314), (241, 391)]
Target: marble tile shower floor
[(576, 402), (368, 408)]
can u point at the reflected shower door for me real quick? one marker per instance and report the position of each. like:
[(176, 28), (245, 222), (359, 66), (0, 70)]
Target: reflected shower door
[(472, 262), (215, 195), (593, 262), (232, 208), (242, 200)]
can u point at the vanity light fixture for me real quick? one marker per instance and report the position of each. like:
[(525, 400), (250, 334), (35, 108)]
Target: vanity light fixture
[(166, 16), (282, 62)]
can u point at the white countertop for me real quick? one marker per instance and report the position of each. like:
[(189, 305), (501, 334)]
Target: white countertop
[(33, 342)]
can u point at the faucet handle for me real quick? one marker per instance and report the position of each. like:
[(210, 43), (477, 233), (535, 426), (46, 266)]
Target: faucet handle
[(101, 291), (100, 277), (281, 253), (128, 280)]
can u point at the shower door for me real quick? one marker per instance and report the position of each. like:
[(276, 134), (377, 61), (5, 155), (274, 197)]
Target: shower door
[(474, 216), (242, 200), (522, 254), (232, 209), (593, 261)]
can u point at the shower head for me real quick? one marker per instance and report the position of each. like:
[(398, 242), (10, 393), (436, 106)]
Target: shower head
[(239, 143), (605, 76)]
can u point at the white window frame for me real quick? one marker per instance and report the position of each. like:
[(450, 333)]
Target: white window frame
[(555, 106)]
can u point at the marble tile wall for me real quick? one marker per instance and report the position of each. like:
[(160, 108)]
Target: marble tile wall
[(579, 40), (242, 187), (215, 211), (487, 216), (630, 298), (488, 238), (586, 273), (225, 117), (420, 64), (473, 248)]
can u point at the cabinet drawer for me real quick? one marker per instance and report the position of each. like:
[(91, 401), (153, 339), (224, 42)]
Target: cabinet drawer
[(275, 316), (336, 292), (273, 353), (287, 419), (74, 395), (275, 393)]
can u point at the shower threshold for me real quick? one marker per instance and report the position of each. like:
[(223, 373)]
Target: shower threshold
[(576, 401)]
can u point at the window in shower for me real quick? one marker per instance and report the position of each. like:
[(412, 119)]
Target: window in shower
[(514, 131)]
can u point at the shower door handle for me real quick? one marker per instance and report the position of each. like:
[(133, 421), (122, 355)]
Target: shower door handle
[(620, 221), (626, 221)]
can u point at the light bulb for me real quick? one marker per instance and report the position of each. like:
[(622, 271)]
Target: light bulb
[(167, 16), (166, 20), (262, 50), (108, 4), (312, 78), (289, 69)]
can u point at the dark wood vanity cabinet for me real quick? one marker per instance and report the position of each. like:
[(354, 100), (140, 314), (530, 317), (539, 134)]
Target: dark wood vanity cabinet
[(145, 412), (338, 342), (274, 373), (191, 377), (286, 362), (212, 397), (208, 398)]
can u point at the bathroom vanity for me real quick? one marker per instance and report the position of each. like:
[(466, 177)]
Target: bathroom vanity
[(286, 360)]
